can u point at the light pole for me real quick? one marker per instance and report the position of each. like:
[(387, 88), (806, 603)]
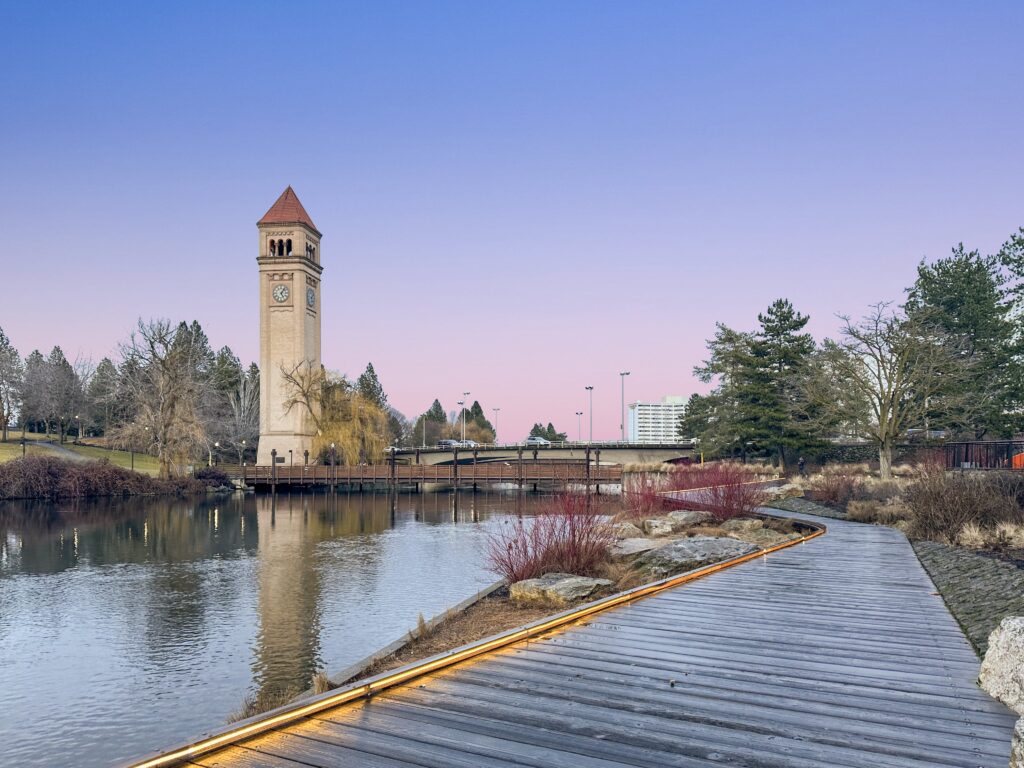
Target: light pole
[(216, 448), (495, 424), (579, 426), (465, 397), (591, 391), (243, 453), (622, 416)]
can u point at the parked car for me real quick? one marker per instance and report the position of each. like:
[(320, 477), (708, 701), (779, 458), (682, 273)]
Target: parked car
[(447, 443), (535, 440)]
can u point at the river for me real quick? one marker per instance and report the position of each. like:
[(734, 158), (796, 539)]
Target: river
[(128, 626)]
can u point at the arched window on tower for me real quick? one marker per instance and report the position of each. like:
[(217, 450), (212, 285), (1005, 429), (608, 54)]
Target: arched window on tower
[(280, 247), (273, 248), (288, 247)]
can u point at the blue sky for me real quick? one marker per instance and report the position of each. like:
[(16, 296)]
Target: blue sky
[(517, 199)]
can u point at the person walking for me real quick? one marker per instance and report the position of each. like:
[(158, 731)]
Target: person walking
[(800, 465)]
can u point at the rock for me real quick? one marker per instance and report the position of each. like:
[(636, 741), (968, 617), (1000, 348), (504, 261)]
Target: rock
[(1002, 671), (629, 547), (686, 554), (558, 588), (684, 518), (742, 524), (658, 526), (1017, 746), (626, 531)]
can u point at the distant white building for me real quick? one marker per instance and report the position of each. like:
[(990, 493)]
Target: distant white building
[(656, 422)]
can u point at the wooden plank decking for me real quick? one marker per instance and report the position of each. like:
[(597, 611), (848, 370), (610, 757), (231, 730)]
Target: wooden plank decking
[(836, 652)]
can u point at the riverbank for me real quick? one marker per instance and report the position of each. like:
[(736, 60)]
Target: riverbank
[(53, 479)]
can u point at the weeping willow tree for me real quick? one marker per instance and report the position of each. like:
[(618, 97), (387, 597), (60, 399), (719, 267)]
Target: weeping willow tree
[(343, 417)]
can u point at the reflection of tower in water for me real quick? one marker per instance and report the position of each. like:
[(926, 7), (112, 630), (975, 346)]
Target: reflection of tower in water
[(287, 650)]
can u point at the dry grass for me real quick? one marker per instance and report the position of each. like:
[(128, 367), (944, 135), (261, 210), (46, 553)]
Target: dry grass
[(888, 512), (263, 701), (972, 537), (483, 619), (322, 683)]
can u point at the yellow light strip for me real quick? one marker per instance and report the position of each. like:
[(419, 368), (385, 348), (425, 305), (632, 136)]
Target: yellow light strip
[(291, 713)]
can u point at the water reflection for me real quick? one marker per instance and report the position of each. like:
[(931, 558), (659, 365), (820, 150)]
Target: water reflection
[(146, 621)]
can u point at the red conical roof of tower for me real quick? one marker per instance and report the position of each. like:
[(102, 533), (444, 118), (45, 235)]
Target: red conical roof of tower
[(288, 210)]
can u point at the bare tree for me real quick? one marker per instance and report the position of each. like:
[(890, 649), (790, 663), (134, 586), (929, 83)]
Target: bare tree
[(888, 374), (242, 426), (159, 377)]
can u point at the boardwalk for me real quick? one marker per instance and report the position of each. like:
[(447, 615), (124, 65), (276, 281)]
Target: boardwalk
[(835, 652)]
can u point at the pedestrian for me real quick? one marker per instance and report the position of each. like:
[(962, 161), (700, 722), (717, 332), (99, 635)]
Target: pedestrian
[(800, 464)]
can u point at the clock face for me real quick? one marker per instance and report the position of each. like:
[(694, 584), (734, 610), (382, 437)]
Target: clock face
[(280, 293), (311, 297)]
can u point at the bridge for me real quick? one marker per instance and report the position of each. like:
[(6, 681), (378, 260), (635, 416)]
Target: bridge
[(599, 453), (524, 473)]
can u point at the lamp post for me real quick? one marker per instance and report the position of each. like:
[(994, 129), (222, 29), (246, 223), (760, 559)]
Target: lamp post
[(590, 390), (216, 450), (291, 459), (579, 426), (495, 424), (243, 453), (465, 397), (622, 416), (462, 411)]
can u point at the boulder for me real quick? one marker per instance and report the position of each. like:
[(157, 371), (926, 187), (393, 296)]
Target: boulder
[(684, 518), (742, 524), (658, 526), (1002, 671), (686, 554), (558, 588), (626, 531), (1017, 746), (630, 547)]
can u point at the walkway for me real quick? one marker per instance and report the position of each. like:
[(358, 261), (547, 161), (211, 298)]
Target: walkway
[(836, 652)]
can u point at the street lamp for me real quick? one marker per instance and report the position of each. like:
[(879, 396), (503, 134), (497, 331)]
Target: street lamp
[(243, 453), (590, 390), (495, 424), (579, 426), (291, 459), (216, 448), (462, 412), (622, 416)]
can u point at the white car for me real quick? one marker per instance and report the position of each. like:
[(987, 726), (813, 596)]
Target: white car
[(535, 440)]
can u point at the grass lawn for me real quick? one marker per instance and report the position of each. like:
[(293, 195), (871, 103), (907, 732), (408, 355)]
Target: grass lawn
[(12, 450)]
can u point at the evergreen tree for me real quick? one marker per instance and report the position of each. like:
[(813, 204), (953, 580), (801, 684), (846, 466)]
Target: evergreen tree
[(548, 433), (968, 297), (436, 412), (368, 385), (12, 373), (101, 396), (64, 391), (33, 393)]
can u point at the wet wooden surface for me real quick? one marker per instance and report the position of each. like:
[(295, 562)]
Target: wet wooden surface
[(836, 652)]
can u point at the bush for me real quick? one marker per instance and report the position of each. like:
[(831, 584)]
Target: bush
[(643, 497), (725, 489), (567, 535), (835, 486), (877, 512), (51, 478), (942, 503), (211, 477)]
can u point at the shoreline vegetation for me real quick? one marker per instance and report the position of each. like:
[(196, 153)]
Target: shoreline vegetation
[(50, 478)]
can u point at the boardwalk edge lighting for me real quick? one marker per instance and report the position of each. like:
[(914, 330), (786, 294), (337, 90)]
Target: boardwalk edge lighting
[(293, 712)]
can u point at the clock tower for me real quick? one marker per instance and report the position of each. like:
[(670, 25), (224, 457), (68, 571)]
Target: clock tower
[(289, 264)]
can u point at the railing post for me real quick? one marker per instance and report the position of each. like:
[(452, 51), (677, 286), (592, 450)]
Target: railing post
[(455, 467)]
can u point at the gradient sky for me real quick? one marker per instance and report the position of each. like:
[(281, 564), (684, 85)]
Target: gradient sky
[(517, 199)]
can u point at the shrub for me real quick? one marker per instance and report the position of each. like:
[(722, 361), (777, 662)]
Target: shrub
[(52, 478), (567, 535), (877, 512), (212, 477), (835, 486), (942, 503), (643, 497), (725, 489)]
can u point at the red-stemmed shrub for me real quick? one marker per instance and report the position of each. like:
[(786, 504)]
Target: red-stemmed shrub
[(724, 488), (643, 496), (568, 535), (835, 486)]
